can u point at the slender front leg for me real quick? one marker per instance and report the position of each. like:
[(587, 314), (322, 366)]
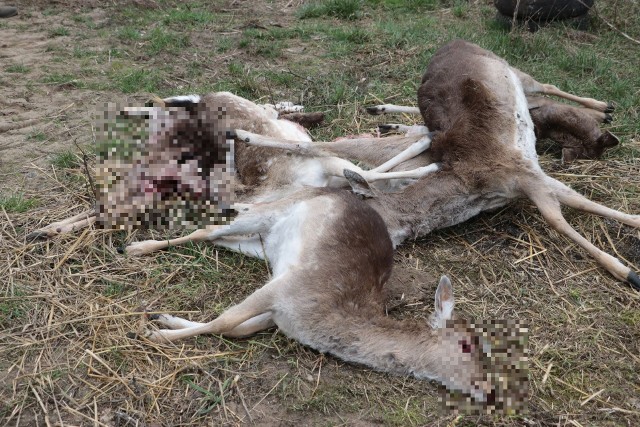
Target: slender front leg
[(413, 150), (148, 246), (73, 223), (248, 327), (335, 166), (391, 108), (404, 129), (257, 303)]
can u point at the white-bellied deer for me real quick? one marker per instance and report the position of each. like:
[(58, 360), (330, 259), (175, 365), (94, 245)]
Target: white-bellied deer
[(188, 138), (331, 257)]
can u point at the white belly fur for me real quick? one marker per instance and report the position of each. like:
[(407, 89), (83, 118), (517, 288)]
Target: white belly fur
[(525, 138)]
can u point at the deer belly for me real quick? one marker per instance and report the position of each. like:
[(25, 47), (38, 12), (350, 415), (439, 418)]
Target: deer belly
[(525, 137), (285, 241)]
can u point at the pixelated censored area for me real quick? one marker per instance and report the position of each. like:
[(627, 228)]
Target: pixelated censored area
[(503, 346), (163, 166)]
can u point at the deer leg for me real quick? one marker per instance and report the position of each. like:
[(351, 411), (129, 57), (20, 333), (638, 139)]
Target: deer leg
[(256, 304), (391, 108), (409, 153), (251, 326), (573, 199), (335, 166), (173, 322), (531, 86), (147, 246), (535, 102), (550, 209), (594, 104), (250, 246), (248, 327), (75, 222), (403, 129), (253, 219)]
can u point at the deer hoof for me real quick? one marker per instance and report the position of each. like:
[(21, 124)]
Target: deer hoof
[(610, 108), (133, 335), (375, 111), (634, 279), (608, 118), (154, 316), (384, 129), (121, 250)]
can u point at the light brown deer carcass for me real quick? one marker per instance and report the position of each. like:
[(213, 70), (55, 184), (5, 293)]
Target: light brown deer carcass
[(331, 257), (188, 138)]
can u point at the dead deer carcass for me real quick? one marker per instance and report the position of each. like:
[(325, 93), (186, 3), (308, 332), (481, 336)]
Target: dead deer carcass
[(331, 257)]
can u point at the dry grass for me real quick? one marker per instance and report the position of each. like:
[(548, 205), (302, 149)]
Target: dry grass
[(66, 306)]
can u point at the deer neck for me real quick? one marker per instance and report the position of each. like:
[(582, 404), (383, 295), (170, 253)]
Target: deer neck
[(384, 344)]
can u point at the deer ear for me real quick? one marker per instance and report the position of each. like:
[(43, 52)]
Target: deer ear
[(444, 300), (358, 184), (607, 139)]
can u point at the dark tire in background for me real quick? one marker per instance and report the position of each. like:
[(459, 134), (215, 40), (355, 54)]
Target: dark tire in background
[(536, 13), (543, 10)]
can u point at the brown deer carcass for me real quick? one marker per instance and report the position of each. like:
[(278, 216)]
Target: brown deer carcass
[(483, 137)]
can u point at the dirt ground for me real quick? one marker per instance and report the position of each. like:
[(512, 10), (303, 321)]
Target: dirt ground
[(67, 304)]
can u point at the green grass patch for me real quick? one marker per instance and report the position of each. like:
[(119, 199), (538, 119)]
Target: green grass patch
[(159, 40), (257, 42), (133, 80), (63, 79), (65, 160), (17, 203), (187, 17), (59, 32), (37, 136), (17, 68), (113, 289), (224, 44), (129, 34), (341, 9), (80, 53), (11, 310)]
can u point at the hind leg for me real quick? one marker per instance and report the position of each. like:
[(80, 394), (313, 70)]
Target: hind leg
[(536, 102), (531, 86), (573, 199), (549, 207)]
